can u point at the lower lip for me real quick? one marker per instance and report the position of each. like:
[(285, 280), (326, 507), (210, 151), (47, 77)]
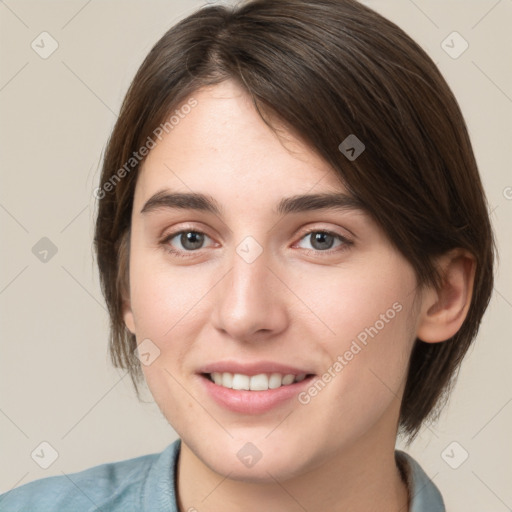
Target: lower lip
[(252, 402)]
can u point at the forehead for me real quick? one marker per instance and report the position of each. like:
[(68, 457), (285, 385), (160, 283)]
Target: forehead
[(224, 147)]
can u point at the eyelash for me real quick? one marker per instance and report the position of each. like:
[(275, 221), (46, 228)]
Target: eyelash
[(187, 254)]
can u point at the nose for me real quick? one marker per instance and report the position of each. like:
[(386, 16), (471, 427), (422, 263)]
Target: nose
[(251, 301)]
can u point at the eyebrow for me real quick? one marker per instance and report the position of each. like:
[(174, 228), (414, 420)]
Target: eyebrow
[(164, 199)]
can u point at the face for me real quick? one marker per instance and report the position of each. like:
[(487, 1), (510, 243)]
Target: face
[(318, 294)]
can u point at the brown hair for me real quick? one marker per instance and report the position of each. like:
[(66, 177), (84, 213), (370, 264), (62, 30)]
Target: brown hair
[(327, 69)]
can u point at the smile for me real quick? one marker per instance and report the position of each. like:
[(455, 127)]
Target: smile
[(260, 382)]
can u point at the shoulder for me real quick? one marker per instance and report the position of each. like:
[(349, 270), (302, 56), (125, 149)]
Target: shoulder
[(424, 495), (113, 486)]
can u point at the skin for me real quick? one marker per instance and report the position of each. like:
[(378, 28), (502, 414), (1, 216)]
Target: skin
[(294, 304)]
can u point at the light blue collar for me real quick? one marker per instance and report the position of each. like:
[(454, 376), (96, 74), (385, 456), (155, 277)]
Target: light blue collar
[(423, 494)]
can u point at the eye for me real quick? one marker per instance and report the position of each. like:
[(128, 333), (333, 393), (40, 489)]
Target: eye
[(323, 241), (190, 241)]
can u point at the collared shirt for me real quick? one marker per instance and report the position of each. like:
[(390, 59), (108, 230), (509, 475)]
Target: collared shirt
[(147, 484)]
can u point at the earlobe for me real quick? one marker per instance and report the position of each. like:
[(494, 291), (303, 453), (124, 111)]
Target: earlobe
[(128, 317), (443, 311)]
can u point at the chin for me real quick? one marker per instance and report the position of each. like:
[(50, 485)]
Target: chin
[(261, 461), (263, 472)]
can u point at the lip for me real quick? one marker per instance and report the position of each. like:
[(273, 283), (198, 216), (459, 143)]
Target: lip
[(252, 402), (253, 368)]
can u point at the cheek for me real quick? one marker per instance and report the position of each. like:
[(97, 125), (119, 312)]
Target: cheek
[(162, 297), (371, 301), (369, 316), (166, 304), (163, 302)]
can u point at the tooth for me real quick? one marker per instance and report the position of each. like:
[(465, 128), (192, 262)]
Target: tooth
[(259, 382), (274, 381), (288, 379), (227, 380), (240, 381)]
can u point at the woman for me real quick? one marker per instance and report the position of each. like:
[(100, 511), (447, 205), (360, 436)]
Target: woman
[(294, 246)]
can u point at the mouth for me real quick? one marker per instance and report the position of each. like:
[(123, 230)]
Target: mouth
[(254, 394), (255, 387), (259, 382)]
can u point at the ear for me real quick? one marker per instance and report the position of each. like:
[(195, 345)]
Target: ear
[(443, 311), (128, 316), (124, 280)]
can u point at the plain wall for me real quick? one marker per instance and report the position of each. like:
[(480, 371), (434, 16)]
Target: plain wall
[(57, 383)]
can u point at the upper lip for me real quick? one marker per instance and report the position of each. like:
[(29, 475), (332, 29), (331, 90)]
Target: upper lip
[(253, 368)]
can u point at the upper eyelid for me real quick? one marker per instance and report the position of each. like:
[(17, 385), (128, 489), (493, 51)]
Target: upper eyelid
[(356, 215), (304, 231)]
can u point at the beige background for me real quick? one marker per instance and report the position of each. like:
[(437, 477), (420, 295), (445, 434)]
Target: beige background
[(57, 384)]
